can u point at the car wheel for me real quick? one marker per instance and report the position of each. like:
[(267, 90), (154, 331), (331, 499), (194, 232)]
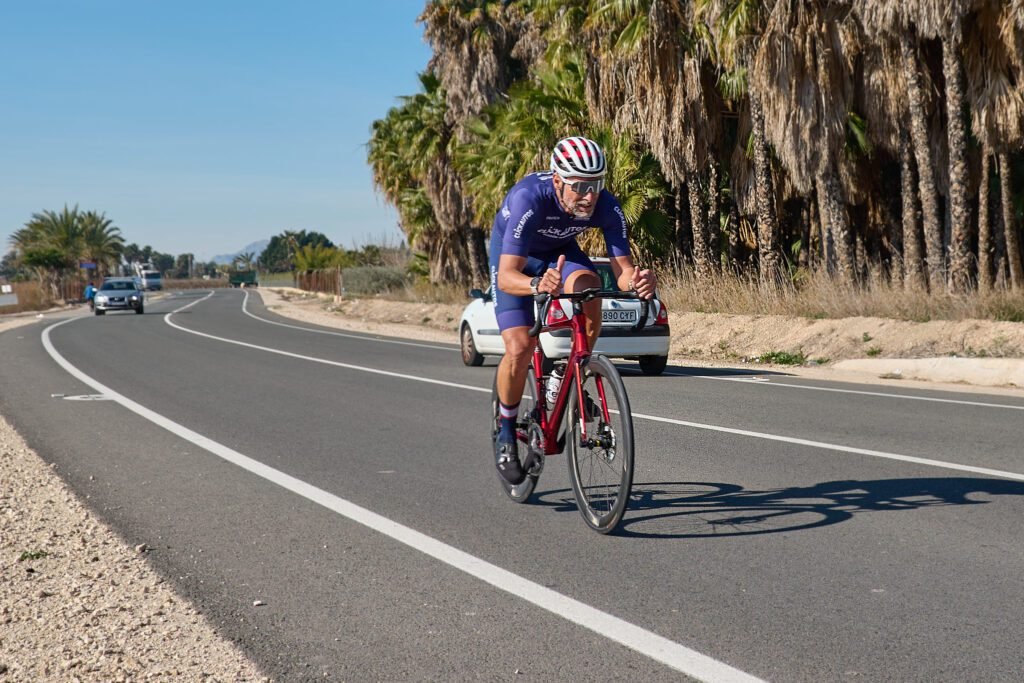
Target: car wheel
[(653, 365), (469, 352), (139, 310), (100, 311)]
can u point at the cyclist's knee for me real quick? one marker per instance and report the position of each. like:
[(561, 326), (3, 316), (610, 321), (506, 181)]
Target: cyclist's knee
[(582, 279), (517, 347)]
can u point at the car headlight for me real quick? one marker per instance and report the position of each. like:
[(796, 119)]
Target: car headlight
[(135, 297), (101, 299)]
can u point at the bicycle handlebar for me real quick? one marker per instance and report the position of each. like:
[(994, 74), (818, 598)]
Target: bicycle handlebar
[(545, 301)]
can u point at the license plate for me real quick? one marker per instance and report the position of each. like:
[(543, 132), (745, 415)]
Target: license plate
[(614, 316)]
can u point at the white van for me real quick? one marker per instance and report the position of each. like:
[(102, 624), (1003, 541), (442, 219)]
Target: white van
[(150, 280)]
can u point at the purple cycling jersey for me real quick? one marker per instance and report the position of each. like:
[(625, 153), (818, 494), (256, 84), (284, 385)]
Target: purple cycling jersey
[(531, 221)]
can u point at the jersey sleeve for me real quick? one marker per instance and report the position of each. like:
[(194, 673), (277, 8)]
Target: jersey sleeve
[(522, 221), (613, 225)]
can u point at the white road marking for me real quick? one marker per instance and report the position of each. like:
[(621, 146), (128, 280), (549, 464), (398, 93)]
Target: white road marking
[(640, 416), (380, 339), (836, 447), (750, 380), (648, 643), (349, 366), (772, 383)]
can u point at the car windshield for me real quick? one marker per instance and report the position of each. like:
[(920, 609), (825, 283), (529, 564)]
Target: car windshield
[(107, 286)]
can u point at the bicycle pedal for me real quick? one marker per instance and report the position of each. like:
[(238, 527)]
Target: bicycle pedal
[(533, 464)]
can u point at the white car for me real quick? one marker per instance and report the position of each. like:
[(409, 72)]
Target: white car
[(480, 337)]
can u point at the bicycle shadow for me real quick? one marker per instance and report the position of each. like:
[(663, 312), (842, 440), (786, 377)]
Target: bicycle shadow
[(718, 510)]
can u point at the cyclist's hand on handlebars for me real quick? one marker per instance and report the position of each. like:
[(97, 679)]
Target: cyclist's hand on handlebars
[(551, 281), (645, 282)]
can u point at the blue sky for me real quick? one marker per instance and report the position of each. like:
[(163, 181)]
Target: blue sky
[(202, 126)]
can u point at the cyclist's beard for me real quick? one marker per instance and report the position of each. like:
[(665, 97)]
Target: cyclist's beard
[(582, 209)]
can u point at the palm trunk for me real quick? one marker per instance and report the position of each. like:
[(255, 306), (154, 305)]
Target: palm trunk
[(839, 223), (683, 232), (804, 257), (817, 243), (960, 230), (1009, 228), (828, 249), (734, 237), (925, 168), (698, 222), (913, 274), (984, 224), (478, 255), (714, 223), (767, 221)]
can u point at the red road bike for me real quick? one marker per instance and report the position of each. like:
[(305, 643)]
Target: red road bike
[(592, 403)]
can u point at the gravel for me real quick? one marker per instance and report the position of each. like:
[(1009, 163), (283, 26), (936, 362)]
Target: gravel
[(79, 604)]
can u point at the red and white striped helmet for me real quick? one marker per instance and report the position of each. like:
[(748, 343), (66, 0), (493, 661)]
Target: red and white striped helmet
[(578, 157)]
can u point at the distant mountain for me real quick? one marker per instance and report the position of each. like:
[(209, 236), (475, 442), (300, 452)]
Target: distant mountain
[(256, 248)]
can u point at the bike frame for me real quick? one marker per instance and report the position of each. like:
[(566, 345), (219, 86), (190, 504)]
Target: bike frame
[(579, 354)]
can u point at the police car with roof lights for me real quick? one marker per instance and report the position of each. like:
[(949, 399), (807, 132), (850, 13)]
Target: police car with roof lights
[(480, 337)]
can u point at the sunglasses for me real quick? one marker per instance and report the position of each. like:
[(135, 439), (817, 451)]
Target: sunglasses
[(584, 186)]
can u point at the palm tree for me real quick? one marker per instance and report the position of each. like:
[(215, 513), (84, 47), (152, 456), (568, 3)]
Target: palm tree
[(473, 62), (911, 19), (733, 29), (515, 138), (101, 242), (995, 68), (801, 67), (413, 144), (245, 260), (318, 257), (52, 243), (650, 74)]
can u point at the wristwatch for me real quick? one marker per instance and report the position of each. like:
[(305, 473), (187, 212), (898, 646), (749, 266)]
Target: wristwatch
[(535, 284)]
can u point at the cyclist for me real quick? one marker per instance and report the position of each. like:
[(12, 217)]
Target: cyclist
[(533, 249), (90, 294)]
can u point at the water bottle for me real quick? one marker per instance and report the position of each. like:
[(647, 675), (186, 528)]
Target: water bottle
[(554, 383)]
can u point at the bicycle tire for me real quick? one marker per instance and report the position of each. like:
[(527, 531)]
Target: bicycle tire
[(519, 493), (602, 473)]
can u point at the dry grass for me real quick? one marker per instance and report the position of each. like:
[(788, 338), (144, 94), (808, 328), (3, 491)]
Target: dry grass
[(818, 297), (424, 292), (823, 297), (30, 298)]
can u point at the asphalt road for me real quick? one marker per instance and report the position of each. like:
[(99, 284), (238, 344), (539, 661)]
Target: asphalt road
[(783, 529)]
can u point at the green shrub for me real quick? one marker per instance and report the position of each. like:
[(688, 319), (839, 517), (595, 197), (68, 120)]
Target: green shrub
[(874, 351), (372, 279), (32, 555), (783, 358)]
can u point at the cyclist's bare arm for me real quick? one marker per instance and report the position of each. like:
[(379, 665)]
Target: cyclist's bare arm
[(512, 280)]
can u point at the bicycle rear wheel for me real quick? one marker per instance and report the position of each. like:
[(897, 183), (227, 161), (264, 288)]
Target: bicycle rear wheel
[(525, 423), (601, 470)]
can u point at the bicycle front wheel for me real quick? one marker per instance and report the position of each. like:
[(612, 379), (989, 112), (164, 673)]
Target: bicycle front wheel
[(601, 467)]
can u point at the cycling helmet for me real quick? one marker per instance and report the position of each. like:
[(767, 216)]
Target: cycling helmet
[(578, 157)]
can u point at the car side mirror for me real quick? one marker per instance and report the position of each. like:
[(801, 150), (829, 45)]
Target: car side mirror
[(476, 293)]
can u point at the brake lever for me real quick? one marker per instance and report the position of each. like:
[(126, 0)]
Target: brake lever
[(544, 299), (641, 321)]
